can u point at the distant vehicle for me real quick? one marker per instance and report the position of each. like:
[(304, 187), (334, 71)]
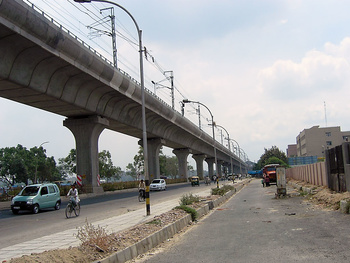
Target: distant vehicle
[(270, 171), (35, 197), (194, 180), (158, 184), (62, 183)]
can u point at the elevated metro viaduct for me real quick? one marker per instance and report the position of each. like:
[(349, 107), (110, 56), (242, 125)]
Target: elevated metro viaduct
[(45, 66)]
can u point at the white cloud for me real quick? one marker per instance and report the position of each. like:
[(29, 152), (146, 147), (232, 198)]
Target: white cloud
[(318, 72)]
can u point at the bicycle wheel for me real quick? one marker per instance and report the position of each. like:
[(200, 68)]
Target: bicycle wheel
[(77, 210), (69, 211), (140, 197)]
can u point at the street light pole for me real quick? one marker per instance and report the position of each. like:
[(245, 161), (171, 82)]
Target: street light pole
[(213, 124), (144, 131)]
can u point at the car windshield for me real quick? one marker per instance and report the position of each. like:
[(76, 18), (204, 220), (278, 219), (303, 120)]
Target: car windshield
[(155, 181), (30, 191)]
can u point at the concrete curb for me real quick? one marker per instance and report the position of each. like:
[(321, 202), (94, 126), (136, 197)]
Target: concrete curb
[(302, 188), (167, 232)]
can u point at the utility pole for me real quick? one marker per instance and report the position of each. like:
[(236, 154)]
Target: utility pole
[(171, 87), (111, 34), (199, 117)]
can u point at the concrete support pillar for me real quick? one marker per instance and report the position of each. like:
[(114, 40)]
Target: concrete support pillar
[(153, 147), (182, 155), (86, 132), (229, 169), (199, 158), (220, 168), (225, 168), (210, 162)]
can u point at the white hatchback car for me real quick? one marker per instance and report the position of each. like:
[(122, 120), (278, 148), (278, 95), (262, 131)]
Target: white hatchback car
[(158, 184)]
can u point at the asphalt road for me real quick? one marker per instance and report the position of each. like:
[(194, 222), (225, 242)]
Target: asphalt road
[(26, 226), (253, 226)]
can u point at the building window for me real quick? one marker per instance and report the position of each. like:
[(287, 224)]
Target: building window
[(345, 138), (329, 143), (328, 134)]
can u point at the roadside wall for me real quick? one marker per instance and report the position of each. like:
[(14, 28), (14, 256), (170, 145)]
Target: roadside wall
[(313, 173), (338, 167)]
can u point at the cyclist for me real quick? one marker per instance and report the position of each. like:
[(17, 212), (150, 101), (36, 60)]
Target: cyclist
[(142, 188), (73, 192)]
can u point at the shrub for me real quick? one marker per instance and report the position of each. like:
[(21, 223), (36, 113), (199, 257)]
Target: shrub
[(189, 199), (189, 210), (223, 190), (154, 222), (96, 237)]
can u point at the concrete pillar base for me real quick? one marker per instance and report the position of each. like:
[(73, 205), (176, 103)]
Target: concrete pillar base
[(210, 162), (153, 147), (199, 158), (182, 155), (86, 132)]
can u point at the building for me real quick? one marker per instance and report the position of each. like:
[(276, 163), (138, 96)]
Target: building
[(292, 150), (314, 141)]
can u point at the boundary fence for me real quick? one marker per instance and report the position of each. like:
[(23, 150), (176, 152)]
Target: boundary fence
[(312, 173)]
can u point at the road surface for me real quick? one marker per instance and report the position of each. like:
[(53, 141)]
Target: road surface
[(27, 226), (253, 226)]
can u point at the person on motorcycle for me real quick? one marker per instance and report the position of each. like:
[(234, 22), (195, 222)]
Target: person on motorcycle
[(142, 188), (73, 192)]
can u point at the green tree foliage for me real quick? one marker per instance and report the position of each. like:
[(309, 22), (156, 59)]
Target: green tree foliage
[(270, 156), (171, 167), (68, 165), (106, 167), (168, 166), (131, 171), (136, 168), (18, 164)]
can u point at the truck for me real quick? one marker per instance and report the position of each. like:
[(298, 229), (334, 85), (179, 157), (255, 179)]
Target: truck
[(270, 171)]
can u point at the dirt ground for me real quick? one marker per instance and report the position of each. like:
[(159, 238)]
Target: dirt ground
[(324, 197), (98, 244)]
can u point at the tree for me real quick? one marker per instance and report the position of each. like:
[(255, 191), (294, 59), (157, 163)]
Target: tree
[(17, 164), (68, 166), (275, 160), (268, 154), (107, 169), (12, 164), (137, 167), (171, 167)]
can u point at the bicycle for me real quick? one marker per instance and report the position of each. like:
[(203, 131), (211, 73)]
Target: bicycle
[(71, 207), (141, 195)]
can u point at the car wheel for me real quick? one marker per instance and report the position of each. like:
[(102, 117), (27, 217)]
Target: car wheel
[(15, 212), (35, 209), (57, 205)]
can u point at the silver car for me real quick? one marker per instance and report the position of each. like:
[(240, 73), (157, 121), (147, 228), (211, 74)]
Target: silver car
[(158, 184)]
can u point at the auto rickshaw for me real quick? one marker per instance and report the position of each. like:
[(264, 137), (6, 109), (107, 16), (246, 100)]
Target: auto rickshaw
[(194, 180)]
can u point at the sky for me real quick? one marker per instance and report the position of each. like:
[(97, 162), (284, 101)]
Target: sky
[(266, 69)]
